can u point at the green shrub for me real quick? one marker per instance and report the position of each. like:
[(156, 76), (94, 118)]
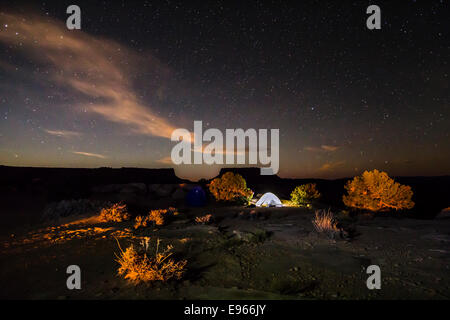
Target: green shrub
[(305, 194)]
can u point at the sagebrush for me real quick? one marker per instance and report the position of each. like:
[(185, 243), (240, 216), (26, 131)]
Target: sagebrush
[(114, 213), (204, 219), (157, 217), (230, 187), (376, 191)]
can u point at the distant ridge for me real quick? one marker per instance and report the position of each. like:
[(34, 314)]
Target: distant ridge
[(85, 176), (252, 174), (431, 194)]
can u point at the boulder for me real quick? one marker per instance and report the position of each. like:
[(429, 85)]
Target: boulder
[(165, 190), (153, 187), (64, 208), (444, 214), (121, 188), (140, 188), (179, 194)]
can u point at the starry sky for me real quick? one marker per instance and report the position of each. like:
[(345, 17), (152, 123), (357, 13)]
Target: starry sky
[(344, 98)]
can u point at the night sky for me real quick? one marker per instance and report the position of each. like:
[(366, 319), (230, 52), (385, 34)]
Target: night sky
[(345, 98)]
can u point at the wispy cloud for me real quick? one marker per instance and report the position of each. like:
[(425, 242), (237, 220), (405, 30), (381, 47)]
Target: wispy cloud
[(329, 148), (97, 68), (166, 160), (322, 148), (331, 165), (222, 151), (63, 133), (89, 154)]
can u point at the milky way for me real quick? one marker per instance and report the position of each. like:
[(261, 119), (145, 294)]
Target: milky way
[(345, 98)]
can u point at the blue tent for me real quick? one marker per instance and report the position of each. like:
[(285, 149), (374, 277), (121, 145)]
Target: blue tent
[(196, 197)]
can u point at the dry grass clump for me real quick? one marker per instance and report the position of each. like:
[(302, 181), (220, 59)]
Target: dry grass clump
[(141, 221), (324, 222), (137, 266), (204, 219), (157, 217), (115, 213)]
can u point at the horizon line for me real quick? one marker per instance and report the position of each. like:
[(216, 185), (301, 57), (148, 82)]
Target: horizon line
[(224, 168)]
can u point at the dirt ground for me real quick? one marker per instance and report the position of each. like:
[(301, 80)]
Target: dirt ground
[(246, 253)]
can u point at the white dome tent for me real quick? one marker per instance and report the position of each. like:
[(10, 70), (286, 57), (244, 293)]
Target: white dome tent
[(270, 200)]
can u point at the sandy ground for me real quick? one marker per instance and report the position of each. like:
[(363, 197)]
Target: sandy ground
[(272, 253)]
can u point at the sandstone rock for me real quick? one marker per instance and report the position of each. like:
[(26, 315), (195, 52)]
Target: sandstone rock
[(444, 214), (242, 235)]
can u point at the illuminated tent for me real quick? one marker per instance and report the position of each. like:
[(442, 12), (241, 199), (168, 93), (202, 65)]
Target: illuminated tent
[(270, 200)]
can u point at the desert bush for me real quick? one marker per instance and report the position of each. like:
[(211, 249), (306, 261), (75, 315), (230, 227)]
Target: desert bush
[(204, 219), (305, 194), (157, 217), (230, 187), (324, 222), (141, 222), (114, 213), (376, 191), (139, 266)]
